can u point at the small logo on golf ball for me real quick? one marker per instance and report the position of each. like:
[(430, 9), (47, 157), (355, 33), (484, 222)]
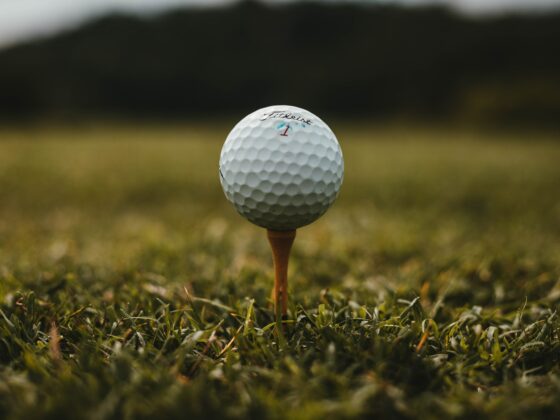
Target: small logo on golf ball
[(285, 129), (286, 115)]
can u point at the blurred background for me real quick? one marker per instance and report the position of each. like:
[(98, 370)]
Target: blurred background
[(492, 62), (113, 113)]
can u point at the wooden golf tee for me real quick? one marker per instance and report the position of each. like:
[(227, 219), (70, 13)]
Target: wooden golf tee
[(281, 244)]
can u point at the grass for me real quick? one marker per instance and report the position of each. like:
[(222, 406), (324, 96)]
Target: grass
[(129, 288)]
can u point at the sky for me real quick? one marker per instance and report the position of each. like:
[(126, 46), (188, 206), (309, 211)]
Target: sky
[(21, 20)]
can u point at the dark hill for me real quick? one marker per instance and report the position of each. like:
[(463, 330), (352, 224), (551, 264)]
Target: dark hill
[(350, 60)]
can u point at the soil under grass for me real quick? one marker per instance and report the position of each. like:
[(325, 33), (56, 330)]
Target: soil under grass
[(129, 288)]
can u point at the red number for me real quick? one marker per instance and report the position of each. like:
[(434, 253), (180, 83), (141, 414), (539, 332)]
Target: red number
[(285, 133)]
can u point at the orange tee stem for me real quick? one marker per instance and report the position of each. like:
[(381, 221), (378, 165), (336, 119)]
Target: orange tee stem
[(281, 244)]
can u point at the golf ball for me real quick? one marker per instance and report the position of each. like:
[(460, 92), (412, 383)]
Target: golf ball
[(281, 167)]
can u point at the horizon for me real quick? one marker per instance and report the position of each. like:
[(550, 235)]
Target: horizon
[(27, 20)]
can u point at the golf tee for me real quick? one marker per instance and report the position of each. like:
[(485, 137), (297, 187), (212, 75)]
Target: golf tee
[(281, 244)]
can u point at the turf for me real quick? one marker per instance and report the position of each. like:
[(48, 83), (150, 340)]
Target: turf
[(129, 288)]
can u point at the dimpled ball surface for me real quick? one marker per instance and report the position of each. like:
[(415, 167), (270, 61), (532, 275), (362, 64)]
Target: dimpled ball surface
[(281, 167)]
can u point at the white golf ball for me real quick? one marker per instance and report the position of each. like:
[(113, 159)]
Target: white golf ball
[(281, 167)]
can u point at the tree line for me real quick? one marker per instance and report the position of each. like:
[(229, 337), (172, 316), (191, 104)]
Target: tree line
[(348, 60)]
